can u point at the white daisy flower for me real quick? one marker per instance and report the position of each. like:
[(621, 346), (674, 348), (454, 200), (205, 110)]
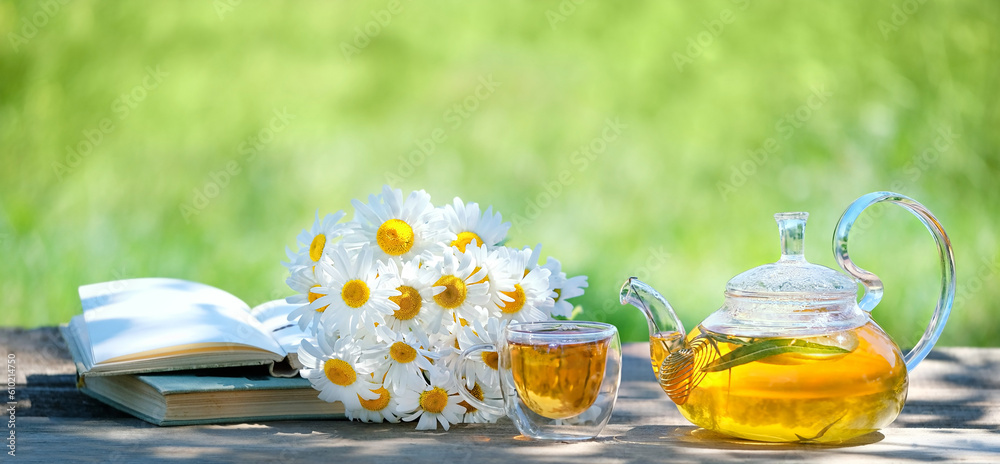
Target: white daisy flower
[(498, 275), (384, 407), (368, 336), (530, 301), (401, 362), (484, 369), (394, 296), (398, 229), (304, 281), (563, 288), (313, 243), (445, 345), (536, 256), (469, 226), (337, 372), (435, 402), (356, 296), (459, 293), (416, 293), (487, 395), (296, 260)]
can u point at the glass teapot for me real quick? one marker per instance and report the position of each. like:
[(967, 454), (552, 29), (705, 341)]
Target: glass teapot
[(792, 355)]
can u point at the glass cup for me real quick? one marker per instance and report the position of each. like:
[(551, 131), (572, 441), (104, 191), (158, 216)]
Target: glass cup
[(559, 379)]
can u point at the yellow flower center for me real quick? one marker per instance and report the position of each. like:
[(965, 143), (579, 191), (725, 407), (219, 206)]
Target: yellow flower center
[(477, 393), (511, 307), (376, 404), (401, 352), (464, 239), (486, 278), (339, 372), (558, 293), (315, 296), (395, 237), (409, 303), (490, 358), (355, 293), (434, 400), (316, 247), (454, 292)]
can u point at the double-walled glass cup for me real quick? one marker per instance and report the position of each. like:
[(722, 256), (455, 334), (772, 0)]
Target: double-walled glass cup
[(559, 379)]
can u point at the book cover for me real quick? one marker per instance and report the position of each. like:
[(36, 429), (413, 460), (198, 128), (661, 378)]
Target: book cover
[(208, 396), (192, 398)]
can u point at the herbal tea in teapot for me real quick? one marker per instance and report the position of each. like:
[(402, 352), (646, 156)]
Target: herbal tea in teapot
[(792, 355), (824, 388)]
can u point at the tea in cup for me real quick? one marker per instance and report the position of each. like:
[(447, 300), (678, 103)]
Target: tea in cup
[(559, 379)]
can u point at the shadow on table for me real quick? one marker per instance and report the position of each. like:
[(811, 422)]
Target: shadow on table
[(125, 440), (696, 437), (673, 439)]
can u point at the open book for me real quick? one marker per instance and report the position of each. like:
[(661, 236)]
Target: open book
[(157, 324)]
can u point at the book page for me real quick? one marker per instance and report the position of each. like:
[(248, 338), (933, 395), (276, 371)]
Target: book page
[(273, 315), (128, 317)]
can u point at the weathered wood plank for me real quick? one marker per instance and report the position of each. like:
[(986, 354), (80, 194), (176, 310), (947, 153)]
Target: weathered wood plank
[(952, 413), (128, 441), (46, 376)]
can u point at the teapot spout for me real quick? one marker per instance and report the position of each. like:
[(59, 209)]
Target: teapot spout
[(659, 314)]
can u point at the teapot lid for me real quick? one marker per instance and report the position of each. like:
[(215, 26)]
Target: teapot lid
[(792, 277), (790, 297)]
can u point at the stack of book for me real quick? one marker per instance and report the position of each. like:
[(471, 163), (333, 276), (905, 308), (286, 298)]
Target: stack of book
[(174, 352)]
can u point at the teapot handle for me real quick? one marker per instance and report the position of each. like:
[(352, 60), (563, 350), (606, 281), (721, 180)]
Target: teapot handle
[(873, 286)]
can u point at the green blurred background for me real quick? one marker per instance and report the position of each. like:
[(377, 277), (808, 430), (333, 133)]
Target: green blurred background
[(310, 104)]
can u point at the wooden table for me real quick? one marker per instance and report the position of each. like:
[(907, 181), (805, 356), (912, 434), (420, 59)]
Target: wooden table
[(952, 414)]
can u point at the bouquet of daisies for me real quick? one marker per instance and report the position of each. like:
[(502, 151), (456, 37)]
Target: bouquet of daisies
[(393, 296)]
